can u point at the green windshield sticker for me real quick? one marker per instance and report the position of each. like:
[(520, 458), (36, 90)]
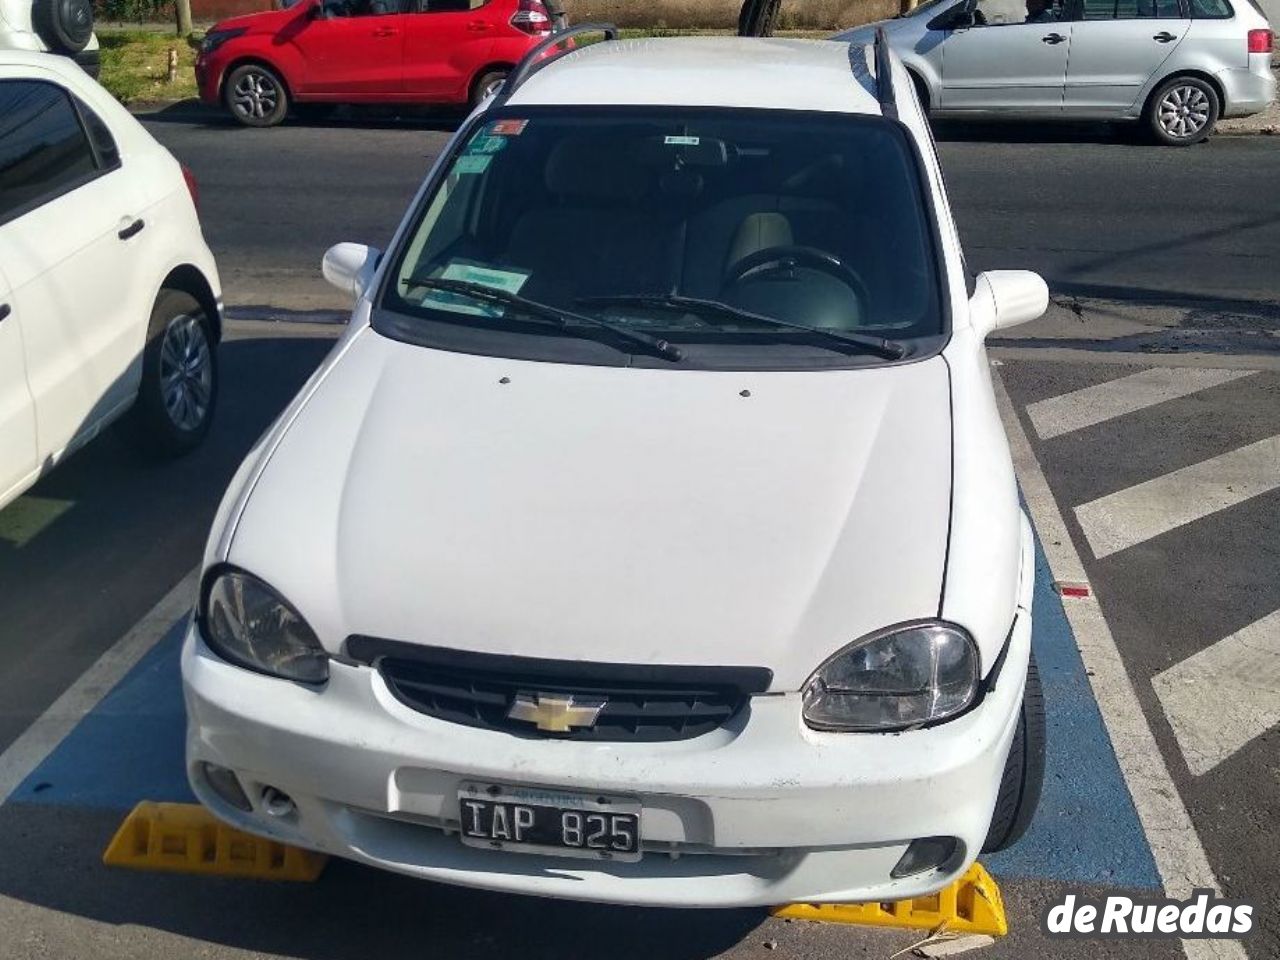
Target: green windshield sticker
[(473, 163), (683, 141), (483, 145)]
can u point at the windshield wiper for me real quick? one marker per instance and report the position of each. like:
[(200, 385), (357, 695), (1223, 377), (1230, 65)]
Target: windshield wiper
[(888, 349), (564, 319)]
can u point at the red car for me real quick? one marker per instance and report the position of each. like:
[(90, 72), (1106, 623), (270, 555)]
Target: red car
[(317, 53)]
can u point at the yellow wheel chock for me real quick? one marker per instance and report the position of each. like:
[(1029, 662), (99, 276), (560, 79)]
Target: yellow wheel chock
[(186, 838), (971, 904)]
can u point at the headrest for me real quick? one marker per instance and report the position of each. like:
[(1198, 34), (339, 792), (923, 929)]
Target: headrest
[(759, 231), (595, 169)]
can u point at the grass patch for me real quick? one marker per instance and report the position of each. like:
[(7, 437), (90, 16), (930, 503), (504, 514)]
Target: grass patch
[(135, 65)]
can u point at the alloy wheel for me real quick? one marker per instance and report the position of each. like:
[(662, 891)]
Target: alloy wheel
[(1183, 111), (256, 95), (186, 372)]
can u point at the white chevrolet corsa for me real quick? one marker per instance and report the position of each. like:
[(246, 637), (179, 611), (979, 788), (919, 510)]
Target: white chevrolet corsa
[(651, 535)]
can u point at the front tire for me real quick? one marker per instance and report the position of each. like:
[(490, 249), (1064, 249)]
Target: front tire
[(179, 388), (256, 96), (1023, 777), (1183, 111)]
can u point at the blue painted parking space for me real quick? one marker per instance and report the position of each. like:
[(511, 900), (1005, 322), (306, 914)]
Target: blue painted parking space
[(1086, 831)]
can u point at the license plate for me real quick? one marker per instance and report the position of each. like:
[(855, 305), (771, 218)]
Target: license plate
[(530, 820)]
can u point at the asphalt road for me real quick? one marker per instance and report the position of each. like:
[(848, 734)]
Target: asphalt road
[(1098, 216), (1193, 235)]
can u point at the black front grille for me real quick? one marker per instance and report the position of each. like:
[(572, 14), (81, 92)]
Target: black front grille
[(641, 703)]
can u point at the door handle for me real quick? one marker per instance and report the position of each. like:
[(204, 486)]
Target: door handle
[(4, 310), (132, 230), (385, 32), (477, 26), (1164, 37), (1053, 39)]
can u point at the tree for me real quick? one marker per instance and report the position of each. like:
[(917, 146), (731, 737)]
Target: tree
[(182, 8)]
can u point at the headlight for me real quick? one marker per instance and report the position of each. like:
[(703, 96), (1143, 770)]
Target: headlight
[(893, 680), (216, 38), (248, 623)]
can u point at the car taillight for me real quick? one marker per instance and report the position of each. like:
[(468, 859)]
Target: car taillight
[(192, 187), (1260, 41), (532, 17)]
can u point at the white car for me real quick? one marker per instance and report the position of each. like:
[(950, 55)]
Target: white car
[(650, 536), (109, 298), (63, 27)]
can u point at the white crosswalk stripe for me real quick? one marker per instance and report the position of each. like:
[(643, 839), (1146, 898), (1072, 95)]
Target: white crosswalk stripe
[(1222, 700), (1224, 696), (1136, 514), (1073, 411)]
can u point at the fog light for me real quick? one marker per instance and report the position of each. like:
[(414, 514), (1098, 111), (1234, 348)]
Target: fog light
[(226, 785), (277, 803), (927, 853)]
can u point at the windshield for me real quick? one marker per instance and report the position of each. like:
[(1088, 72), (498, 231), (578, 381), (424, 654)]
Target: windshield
[(719, 232)]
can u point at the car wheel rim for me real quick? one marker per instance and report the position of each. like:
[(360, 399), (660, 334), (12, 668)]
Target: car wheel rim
[(255, 95), (186, 373), (492, 87), (1183, 111)]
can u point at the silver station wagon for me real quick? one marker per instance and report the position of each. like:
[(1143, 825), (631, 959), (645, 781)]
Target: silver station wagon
[(1175, 65)]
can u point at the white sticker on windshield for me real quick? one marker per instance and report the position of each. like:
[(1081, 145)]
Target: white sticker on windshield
[(509, 280), (683, 141)]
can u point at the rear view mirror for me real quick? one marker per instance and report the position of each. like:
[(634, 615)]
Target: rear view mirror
[(350, 267), (1006, 298)]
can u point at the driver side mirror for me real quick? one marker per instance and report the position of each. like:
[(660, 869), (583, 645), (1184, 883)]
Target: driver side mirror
[(351, 267), (1006, 298)]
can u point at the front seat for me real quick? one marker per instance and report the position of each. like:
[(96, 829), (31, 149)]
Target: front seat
[(597, 232)]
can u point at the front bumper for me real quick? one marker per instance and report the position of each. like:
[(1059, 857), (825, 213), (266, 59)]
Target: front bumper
[(208, 79), (769, 810)]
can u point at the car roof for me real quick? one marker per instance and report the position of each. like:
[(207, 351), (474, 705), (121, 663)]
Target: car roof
[(773, 73)]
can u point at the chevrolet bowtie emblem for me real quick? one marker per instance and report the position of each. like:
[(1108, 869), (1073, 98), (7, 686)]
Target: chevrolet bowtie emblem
[(555, 712)]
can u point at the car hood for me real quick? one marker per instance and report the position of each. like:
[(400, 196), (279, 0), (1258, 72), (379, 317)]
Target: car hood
[(264, 20), (606, 514)]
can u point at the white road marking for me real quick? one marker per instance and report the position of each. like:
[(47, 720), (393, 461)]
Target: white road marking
[(1225, 695), (1138, 513), (1105, 401), (1175, 846), (40, 739)]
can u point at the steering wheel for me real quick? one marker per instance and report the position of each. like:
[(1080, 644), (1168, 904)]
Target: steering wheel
[(776, 259)]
